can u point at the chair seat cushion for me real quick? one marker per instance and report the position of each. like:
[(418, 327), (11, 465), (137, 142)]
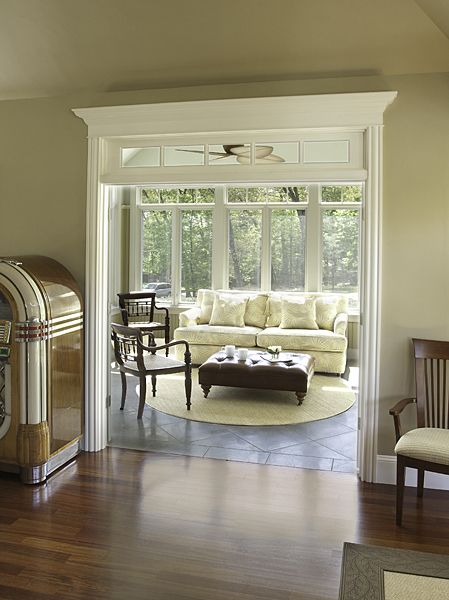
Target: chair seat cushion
[(320, 340), (218, 335), (425, 443), (156, 362)]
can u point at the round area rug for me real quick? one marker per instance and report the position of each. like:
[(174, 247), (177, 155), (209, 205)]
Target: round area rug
[(327, 396)]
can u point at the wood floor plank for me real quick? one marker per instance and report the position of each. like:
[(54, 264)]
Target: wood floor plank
[(134, 525)]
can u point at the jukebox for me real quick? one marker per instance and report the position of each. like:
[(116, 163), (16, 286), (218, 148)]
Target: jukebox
[(41, 366)]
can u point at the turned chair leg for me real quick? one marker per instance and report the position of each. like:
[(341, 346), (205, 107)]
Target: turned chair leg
[(188, 385), (400, 481), (167, 333), (123, 378), (420, 488), (153, 384), (142, 395)]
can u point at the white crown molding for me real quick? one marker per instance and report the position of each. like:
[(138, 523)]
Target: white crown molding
[(243, 114)]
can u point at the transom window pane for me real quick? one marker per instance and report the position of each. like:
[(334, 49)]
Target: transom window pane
[(282, 152), (341, 193), (196, 260), (141, 157), (288, 235), (245, 249), (177, 156), (340, 247), (156, 252), (230, 154)]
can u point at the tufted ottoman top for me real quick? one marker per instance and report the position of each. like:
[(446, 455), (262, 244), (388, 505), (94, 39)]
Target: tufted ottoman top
[(256, 372)]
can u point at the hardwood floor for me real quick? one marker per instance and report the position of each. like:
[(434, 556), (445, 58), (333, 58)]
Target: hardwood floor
[(130, 525)]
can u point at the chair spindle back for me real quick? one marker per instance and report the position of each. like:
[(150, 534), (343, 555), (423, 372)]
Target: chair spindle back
[(432, 382)]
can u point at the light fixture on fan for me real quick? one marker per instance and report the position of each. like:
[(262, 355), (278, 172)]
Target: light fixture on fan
[(263, 154)]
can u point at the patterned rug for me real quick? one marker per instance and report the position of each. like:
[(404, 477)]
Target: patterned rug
[(327, 396), (379, 573)]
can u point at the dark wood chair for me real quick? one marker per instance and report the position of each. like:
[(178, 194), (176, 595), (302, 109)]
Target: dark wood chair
[(135, 358), (137, 309), (425, 448)]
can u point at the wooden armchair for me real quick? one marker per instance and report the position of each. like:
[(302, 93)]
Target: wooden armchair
[(134, 358), (425, 448), (137, 309)]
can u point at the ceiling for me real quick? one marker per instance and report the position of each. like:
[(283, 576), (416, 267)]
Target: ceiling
[(53, 47)]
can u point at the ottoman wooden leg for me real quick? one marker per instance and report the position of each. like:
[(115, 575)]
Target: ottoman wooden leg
[(300, 396), (206, 389)]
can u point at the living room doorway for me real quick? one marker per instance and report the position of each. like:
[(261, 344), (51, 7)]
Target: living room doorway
[(144, 222)]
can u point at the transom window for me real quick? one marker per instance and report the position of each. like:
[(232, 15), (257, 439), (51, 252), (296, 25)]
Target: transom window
[(281, 238)]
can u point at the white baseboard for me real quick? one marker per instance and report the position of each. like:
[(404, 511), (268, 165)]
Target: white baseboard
[(386, 473)]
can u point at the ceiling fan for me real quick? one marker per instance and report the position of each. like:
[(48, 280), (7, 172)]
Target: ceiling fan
[(263, 154)]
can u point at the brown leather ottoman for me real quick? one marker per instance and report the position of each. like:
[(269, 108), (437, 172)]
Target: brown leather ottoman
[(258, 373)]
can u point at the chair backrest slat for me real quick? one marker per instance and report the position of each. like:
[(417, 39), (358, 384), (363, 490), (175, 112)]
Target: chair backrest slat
[(137, 305), (431, 376)]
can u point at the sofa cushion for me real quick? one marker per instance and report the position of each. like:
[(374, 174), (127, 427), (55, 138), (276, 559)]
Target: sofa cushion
[(274, 310), (206, 305), (228, 310), (326, 311), (320, 340), (298, 314), (256, 310), (218, 335)]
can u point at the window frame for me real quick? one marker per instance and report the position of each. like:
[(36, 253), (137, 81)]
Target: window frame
[(314, 209)]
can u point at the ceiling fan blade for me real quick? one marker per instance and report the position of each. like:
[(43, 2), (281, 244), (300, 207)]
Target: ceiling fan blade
[(270, 158), (187, 150)]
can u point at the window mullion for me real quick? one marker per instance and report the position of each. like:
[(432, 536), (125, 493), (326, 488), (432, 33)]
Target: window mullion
[(176, 262), (313, 240), (220, 226), (265, 277)]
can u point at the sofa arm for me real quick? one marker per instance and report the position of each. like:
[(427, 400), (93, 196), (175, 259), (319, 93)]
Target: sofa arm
[(341, 323), (189, 317)]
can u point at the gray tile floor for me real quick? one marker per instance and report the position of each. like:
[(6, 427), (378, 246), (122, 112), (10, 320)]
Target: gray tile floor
[(328, 445)]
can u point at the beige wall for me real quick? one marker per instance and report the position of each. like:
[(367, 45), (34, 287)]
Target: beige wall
[(43, 153)]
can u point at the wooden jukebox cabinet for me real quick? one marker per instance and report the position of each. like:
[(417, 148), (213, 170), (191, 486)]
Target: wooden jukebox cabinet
[(41, 366)]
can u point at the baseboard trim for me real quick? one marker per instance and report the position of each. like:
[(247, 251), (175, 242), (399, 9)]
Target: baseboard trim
[(386, 473)]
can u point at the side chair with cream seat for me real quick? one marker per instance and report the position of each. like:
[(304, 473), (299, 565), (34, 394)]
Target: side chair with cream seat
[(425, 448), (135, 358)]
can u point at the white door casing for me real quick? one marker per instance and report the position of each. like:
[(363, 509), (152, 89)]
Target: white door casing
[(252, 119)]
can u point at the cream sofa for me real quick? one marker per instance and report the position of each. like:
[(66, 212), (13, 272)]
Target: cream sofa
[(265, 324)]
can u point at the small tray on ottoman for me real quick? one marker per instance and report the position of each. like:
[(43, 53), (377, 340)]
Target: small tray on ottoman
[(293, 375)]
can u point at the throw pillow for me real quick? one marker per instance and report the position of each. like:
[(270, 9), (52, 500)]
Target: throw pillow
[(274, 308), (326, 311), (298, 314), (228, 310), (207, 302), (255, 313)]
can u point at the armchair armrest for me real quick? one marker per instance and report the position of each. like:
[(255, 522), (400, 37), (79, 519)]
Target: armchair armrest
[(163, 309), (189, 317), (153, 348), (395, 412), (341, 323)]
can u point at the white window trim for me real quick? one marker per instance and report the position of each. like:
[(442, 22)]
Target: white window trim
[(314, 209), (363, 111)]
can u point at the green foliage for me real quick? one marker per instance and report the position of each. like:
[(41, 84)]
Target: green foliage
[(340, 239), (196, 251)]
